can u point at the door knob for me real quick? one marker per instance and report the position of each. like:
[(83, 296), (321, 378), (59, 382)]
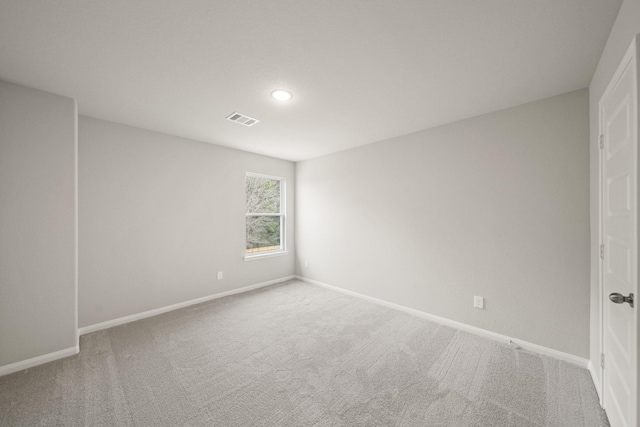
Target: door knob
[(619, 298)]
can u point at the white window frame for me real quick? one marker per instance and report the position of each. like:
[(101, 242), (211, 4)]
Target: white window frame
[(283, 209)]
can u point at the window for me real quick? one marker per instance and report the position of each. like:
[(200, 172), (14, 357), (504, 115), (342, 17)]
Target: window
[(265, 214)]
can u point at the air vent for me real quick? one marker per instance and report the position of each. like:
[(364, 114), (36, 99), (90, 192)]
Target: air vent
[(242, 119)]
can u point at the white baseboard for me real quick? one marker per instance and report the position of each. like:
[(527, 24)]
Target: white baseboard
[(596, 381), (138, 316), (39, 360), (579, 361)]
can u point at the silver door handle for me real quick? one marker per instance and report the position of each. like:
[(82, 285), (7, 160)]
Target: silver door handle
[(619, 298)]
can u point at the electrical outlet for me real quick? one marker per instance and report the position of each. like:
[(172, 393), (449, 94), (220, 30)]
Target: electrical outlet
[(219, 275), (478, 302), (306, 263)]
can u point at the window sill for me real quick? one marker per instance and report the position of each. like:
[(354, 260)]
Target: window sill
[(265, 255)]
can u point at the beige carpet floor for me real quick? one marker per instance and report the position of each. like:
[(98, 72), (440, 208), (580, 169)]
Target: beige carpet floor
[(294, 354)]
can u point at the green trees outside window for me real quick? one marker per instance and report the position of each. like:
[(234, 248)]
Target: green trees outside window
[(264, 216)]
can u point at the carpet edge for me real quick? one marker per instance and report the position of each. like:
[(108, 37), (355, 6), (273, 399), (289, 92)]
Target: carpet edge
[(556, 354), (38, 360), (143, 315)]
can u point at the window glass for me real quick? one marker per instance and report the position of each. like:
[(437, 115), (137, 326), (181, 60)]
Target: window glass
[(263, 195), (264, 214)]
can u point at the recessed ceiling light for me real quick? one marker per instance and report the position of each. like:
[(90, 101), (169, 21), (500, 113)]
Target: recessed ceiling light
[(281, 95)]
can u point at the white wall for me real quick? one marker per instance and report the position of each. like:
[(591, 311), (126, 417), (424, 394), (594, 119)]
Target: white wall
[(626, 27), (496, 206), (159, 216), (37, 223)]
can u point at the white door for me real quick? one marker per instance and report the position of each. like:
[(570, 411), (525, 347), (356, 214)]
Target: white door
[(619, 250)]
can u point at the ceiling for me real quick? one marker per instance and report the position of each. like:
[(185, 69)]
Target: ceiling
[(360, 70)]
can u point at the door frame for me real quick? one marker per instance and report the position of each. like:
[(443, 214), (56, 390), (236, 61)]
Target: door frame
[(632, 54)]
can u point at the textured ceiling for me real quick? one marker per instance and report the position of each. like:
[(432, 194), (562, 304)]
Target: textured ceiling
[(360, 70)]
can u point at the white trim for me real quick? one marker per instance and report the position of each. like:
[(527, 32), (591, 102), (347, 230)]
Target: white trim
[(132, 318), (38, 360), (264, 214), (263, 255), (597, 373), (76, 219), (581, 362), (596, 381), (262, 175)]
